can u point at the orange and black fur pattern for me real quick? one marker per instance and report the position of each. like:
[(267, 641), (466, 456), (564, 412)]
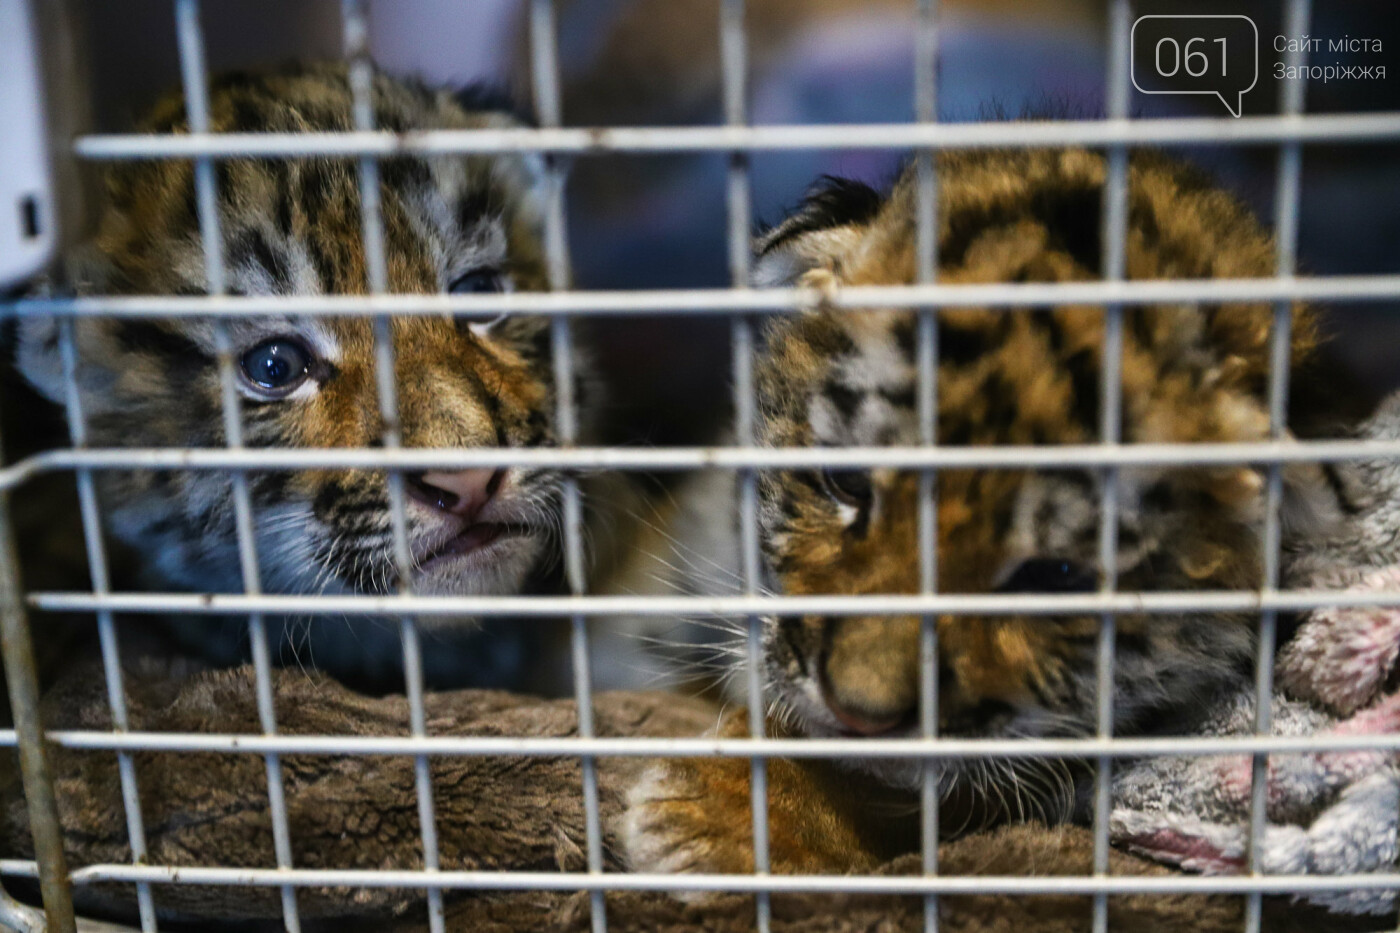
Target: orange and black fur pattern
[(294, 227), (1190, 373)]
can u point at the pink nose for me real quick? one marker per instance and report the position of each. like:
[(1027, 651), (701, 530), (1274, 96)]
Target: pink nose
[(464, 493)]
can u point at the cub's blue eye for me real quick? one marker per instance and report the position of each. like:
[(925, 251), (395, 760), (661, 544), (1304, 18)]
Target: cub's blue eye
[(1050, 575), (277, 366), (477, 282)]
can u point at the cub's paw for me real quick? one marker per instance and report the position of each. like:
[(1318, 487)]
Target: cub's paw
[(691, 816)]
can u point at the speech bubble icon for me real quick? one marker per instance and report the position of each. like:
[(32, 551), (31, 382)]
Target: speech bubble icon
[(1208, 54)]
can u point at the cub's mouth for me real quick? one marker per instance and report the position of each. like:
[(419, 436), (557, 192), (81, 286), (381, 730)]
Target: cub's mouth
[(475, 540)]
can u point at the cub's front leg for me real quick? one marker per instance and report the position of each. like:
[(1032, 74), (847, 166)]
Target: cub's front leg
[(693, 815)]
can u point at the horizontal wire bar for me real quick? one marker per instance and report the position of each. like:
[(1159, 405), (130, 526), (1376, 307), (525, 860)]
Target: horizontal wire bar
[(1334, 128), (938, 749), (1057, 456), (726, 300), (874, 604), (652, 881)]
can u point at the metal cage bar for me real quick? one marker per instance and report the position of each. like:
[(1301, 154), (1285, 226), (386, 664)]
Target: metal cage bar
[(926, 352), (944, 749), (195, 79), (544, 70), (50, 865), (686, 458), (1114, 263), (1196, 131), (356, 28), (106, 623), (729, 301), (528, 607), (733, 48), (1288, 183), (915, 885)]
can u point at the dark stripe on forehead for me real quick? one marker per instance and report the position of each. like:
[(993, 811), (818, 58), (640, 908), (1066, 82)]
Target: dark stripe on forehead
[(966, 226), (1002, 398), (902, 397), (479, 203), (404, 173), (280, 176), (1070, 216), (251, 247), (251, 113), (845, 399), (158, 340), (321, 182), (958, 343), (961, 345), (1087, 387), (322, 262)]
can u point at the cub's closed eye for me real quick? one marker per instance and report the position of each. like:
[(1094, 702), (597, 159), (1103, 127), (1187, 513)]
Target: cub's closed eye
[(1050, 575), (479, 282), (276, 367), (852, 487)]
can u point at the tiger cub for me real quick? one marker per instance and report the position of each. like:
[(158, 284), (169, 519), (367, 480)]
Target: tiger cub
[(452, 224), (1190, 373)]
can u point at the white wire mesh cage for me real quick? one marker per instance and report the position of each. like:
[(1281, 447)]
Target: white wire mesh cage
[(1288, 131)]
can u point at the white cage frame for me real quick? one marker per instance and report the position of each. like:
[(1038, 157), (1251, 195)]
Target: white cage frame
[(1113, 134)]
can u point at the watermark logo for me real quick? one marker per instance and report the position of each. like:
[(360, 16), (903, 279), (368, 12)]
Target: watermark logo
[(1214, 54)]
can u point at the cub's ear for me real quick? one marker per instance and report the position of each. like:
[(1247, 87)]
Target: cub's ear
[(823, 227), (37, 350), (500, 109), (1312, 503), (1351, 497), (486, 97)]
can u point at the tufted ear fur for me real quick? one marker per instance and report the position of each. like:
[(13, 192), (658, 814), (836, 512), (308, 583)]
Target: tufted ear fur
[(499, 109), (823, 227)]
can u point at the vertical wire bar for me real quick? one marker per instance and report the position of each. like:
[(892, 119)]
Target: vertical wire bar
[(926, 111), (106, 625), (733, 53), (1286, 196), (195, 76), (361, 76), (734, 71), (22, 681), (549, 111), (1114, 238)]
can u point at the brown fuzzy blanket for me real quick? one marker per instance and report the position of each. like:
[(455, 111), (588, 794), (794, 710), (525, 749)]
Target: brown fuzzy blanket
[(493, 813)]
